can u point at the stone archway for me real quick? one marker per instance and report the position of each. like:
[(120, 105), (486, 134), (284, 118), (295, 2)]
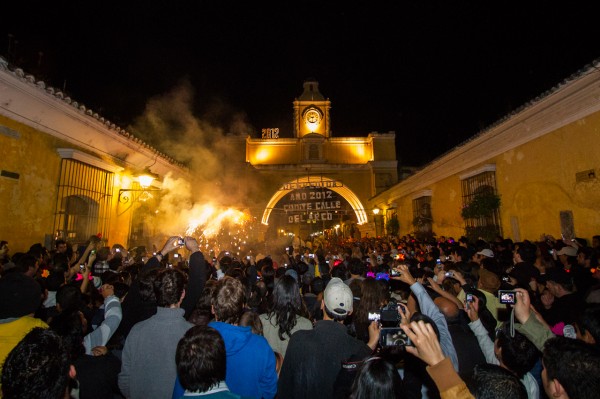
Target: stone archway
[(317, 181)]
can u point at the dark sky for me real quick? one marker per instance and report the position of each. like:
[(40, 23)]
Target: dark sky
[(436, 73)]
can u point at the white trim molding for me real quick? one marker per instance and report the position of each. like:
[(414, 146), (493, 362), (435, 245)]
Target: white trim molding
[(81, 156), (485, 168), (422, 193)]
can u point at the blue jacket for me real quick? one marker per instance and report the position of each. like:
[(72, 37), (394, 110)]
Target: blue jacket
[(250, 362)]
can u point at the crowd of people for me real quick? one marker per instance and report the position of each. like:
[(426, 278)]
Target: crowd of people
[(390, 317)]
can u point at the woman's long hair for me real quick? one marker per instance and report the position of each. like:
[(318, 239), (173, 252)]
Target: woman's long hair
[(287, 304), (373, 295), (377, 378)]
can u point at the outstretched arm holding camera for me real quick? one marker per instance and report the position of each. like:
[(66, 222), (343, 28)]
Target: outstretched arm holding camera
[(427, 348), (428, 308), (197, 276), (483, 338), (530, 325)]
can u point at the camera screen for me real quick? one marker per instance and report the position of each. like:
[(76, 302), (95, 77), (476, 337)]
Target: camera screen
[(393, 336), (469, 297), (507, 297), (374, 316)]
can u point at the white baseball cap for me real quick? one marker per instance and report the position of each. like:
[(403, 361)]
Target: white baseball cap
[(338, 297)]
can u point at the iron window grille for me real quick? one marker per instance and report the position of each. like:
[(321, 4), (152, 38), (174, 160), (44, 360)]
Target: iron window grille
[(83, 205)]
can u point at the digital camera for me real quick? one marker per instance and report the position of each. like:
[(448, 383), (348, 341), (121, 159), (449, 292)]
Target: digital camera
[(387, 316), (507, 297), (393, 337)]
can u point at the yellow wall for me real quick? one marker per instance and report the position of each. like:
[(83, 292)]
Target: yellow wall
[(384, 148), (28, 204), (536, 181), (348, 153), (290, 151), (272, 152)]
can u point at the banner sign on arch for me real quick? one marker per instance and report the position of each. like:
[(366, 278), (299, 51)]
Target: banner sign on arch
[(310, 205)]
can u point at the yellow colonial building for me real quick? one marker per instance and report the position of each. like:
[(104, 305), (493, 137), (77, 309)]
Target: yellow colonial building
[(317, 181), (542, 161), (66, 172)]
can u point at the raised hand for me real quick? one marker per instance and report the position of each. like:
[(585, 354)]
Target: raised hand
[(425, 341), (171, 245), (405, 275), (472, 308), (522, 306)]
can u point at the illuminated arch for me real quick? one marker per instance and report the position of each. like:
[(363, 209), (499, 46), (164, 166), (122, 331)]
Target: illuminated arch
[(357, 206)]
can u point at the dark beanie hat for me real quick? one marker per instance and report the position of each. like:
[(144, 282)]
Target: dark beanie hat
[(20, 295)]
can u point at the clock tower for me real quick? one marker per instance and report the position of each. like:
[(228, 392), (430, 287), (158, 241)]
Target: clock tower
[(311, 112)]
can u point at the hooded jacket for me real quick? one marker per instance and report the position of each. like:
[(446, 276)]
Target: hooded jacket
[(250, 362)]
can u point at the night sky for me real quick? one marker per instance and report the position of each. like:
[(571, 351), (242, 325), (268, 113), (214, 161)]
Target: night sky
[(435, 73)]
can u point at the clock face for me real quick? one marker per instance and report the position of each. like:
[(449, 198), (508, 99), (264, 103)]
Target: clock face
[(312, 118)]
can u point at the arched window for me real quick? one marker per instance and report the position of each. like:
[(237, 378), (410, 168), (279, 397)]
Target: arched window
[(83, 201)]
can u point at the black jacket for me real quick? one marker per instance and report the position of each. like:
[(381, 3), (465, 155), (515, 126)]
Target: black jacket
[(314, 358)]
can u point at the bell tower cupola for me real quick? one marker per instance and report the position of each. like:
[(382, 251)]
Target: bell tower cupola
[(311, 112)]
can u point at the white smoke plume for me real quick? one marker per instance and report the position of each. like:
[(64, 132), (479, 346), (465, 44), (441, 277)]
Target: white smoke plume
[(222, 188)]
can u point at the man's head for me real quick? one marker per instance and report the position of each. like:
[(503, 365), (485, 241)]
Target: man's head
[(567, 251), (169, 288), (337, 300), (484, 253), (570, 369), (460, 254), (525, 253), (488, 281), (517, 354), (28, 265), (201, 359), (20, 295), (228, 300), (38, 251), (447, 307), (494, 382), (38, 367), (559, 282), (588, 325), (61, 246), (357, 267)]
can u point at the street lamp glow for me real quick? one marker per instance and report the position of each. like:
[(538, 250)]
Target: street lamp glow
[(376, 211), (145, 180)]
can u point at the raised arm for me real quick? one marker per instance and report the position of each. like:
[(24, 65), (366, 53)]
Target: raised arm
[(530, 325), (485, 343), (429, 309), (112, 319), (197, 277), (427, 348)]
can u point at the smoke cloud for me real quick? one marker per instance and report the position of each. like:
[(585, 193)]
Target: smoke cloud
[(212, 145)]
